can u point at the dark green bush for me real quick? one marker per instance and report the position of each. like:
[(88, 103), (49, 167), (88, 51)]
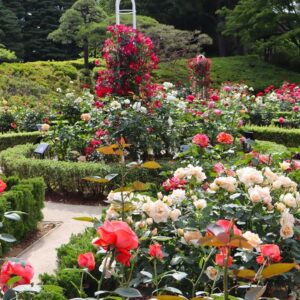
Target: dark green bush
[(287, 137), (26, 196), (50, 292), (67, 177), (8, 140), (6, 119)]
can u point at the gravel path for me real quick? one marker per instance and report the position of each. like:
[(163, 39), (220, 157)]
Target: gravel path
[(42, 254)]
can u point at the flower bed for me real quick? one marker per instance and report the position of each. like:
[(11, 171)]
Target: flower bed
[(26, 196)]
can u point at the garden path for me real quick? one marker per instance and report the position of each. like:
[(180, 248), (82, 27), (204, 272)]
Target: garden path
[(42, 254)]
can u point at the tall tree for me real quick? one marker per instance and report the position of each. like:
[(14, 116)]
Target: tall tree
[(42, 17), (265, 24), (10, 30), (78, 24)]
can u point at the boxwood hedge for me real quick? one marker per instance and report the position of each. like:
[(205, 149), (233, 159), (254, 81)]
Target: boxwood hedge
[(26, 196), (67, 177), (287, 137), (8, 140)]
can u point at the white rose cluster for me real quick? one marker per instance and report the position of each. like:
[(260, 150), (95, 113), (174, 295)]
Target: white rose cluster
[(189, 172)]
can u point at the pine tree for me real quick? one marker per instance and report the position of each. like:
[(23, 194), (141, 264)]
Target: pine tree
[(10, 30), (41, 18)]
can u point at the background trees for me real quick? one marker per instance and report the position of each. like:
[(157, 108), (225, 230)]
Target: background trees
[(78, 24)]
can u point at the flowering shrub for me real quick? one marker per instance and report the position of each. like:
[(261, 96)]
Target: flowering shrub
[(129, 60)]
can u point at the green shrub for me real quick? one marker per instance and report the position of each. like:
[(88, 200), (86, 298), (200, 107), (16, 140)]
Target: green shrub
[(26, 196), (67, 177), (6, 119), (8, 140), (287, 137), (67, 258), (50, 292)]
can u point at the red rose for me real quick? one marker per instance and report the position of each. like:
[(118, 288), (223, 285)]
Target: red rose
[(224, 138), (201, 140), (281, 120), (123, 256), (227, 226), (87, 260), (222, 256), (269, 251), (173, 184), (117, 234), (155, 251), (3, 186), (214, 97), (190, 98), (11, 269)]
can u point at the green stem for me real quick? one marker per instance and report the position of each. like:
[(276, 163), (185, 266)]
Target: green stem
[(202, 272), (81, 285), (155, 275), (103, 273), (225, 279)]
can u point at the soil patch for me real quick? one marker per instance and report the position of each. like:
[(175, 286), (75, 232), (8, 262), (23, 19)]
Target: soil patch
[(75, 199), (42, 229)]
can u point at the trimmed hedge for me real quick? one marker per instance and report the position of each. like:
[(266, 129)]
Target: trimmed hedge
[(22, 195), (66, 177), (8, 140), (287, 137)]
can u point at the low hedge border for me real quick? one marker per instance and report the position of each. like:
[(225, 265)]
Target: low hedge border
[(26, 196), (287, 137), (8, 140), (66, 177)]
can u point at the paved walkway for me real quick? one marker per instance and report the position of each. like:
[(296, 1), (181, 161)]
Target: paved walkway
[(42, 255)]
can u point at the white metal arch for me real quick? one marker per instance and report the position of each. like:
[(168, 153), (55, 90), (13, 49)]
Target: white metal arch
[(131, 11)]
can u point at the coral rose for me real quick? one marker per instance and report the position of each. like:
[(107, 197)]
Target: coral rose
[(229, 226), (87, 260), (12, 269), (201, 140), (222, 257), (224, 138), (117, 234), (270, 251)]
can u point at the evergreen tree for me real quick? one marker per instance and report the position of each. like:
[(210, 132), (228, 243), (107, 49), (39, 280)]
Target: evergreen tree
[(10, 30), (78, 24), (41, 18)]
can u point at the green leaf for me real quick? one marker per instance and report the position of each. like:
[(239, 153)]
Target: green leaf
[(151, 165), (13, 280), (179, 275), (85, 219), (9, 295), (12, 216), (277, 269), (147, 274), (100, 293), (172, 290), (161, 238), (7, 238), (255, 293), (27, 288), (128, 292)]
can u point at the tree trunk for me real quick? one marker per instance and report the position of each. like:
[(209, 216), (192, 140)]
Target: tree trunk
[(86, 54)]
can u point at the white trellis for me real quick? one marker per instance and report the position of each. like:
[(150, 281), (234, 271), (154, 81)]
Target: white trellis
[(131, 11)]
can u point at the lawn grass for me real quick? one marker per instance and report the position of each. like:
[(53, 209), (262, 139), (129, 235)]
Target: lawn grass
[(250, 69)]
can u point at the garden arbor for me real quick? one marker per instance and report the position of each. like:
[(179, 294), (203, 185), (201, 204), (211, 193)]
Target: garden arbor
[(131, 11)]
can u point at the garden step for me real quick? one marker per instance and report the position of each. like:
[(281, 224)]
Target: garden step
[(42, 254)]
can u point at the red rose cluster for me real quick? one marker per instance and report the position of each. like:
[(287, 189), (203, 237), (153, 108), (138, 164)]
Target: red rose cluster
[(130, 59)]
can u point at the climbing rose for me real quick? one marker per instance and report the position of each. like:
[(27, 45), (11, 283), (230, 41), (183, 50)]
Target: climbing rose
[(201, 140), (3, 186), (117, 235), (12, 269), (87, 260), (270, 251), (155, 251), (224, 138)]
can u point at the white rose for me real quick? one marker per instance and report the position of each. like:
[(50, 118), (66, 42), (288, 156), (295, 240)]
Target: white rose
[(175, 214), (159, 212), (252, 238), (200, 204)]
